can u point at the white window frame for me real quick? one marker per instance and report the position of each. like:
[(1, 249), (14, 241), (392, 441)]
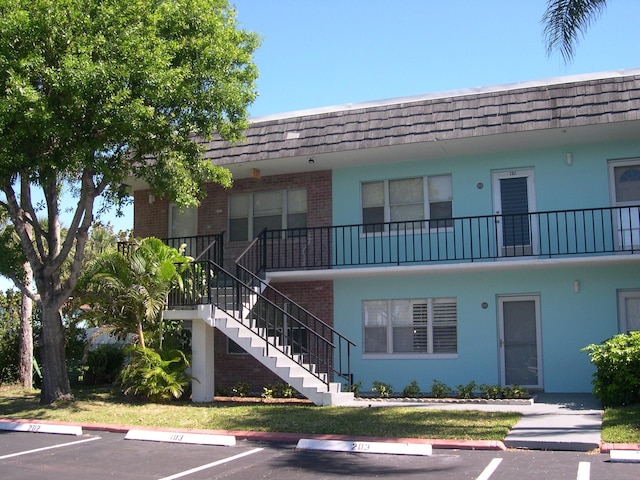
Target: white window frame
[(426, 220), (389, 354), (285, 211)]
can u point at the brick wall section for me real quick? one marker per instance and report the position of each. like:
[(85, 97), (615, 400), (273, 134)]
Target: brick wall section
[(231, 369), (152, 219), (317, 297), (149, 219), (213, 212)]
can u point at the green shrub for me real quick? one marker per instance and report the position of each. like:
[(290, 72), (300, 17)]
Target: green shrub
[(156, 376), (283, 390), (412, 390), (616, 380), (514, 391), (384, 390), (467, 391), (9, 347), (241, 389), (223, 392), (267, 392), (279, 390), (353, 388), (104, 364), (490, 392), (440, 390)]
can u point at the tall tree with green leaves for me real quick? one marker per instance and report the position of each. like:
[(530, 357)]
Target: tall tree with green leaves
[(94, 92), (565, 20)]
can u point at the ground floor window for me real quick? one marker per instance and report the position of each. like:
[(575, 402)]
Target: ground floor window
[(416, 326)]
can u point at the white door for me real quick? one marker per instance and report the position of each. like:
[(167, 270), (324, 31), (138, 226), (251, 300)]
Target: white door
[(629, 310), (625, 194), (520, 341), (514, 200)]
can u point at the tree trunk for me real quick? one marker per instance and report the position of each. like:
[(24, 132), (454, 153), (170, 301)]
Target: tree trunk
[(141, 335), (55, 381), (26, 337)]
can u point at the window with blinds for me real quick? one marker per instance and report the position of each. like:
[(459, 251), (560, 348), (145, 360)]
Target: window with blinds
[(251, 213), (420, 326), (410, 200)]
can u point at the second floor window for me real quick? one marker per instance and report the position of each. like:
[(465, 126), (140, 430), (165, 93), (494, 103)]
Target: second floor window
[(407, 200), (250, 213)]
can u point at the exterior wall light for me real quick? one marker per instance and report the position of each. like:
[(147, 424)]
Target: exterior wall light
[(569, 158)]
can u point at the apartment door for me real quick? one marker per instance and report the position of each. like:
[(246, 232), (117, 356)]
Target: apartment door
[(514, 200), (520, 341), (629, 310), (625, 194)]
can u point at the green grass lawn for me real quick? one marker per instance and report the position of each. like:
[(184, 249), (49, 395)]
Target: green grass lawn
[(621, 425), (95, 405)]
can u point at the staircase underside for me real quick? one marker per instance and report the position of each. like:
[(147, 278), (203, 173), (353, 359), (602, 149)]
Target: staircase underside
[(289, 367)]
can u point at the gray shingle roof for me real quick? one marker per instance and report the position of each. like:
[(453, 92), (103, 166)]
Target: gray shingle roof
[(570, 102)]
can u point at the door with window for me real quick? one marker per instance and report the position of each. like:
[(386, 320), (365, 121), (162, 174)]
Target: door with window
[(625, 194), (629, 310), (514, 200), (520, 341)]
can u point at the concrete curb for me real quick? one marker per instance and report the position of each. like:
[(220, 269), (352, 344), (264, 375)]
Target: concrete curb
[(284, 437), (607, 447)]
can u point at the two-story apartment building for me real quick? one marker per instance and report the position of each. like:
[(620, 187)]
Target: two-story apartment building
[(485, 234)]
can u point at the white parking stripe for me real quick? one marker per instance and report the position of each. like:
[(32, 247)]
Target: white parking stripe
[(49, 448), (488, 471), (213, 464), (584, 471)]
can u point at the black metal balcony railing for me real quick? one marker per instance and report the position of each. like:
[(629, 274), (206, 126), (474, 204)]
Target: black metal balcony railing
[(593, 231), (199, 247)]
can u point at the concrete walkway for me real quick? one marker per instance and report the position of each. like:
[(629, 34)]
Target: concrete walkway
[(559, 422), (551, 422)]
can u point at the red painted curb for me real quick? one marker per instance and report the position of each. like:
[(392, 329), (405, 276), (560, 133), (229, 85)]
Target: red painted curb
[(284, 437), (607, 447)]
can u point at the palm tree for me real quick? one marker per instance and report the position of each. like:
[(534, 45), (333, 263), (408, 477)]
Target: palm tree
[(129, 293), (565, 19)]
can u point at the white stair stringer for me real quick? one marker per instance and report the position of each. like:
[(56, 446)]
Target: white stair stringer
[(283, 366)]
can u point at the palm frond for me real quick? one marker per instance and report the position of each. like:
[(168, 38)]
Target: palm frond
[(565, 20)]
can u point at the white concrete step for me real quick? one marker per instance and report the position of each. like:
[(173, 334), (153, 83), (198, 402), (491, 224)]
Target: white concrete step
[(297, 375)]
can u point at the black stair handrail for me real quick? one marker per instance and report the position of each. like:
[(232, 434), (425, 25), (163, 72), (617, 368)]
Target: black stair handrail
[(250, 269), (208, 283)]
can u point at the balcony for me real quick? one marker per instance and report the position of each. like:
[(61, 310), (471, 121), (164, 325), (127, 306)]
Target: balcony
[(548, 234)]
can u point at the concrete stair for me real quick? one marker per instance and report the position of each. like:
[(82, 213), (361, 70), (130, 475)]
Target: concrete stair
[(290, 368)]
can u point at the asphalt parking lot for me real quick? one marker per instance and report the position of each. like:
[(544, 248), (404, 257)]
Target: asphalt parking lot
[(102, 455)]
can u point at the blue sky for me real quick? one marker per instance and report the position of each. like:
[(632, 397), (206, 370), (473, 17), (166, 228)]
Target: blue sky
[(332, 52), (318, 53)]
